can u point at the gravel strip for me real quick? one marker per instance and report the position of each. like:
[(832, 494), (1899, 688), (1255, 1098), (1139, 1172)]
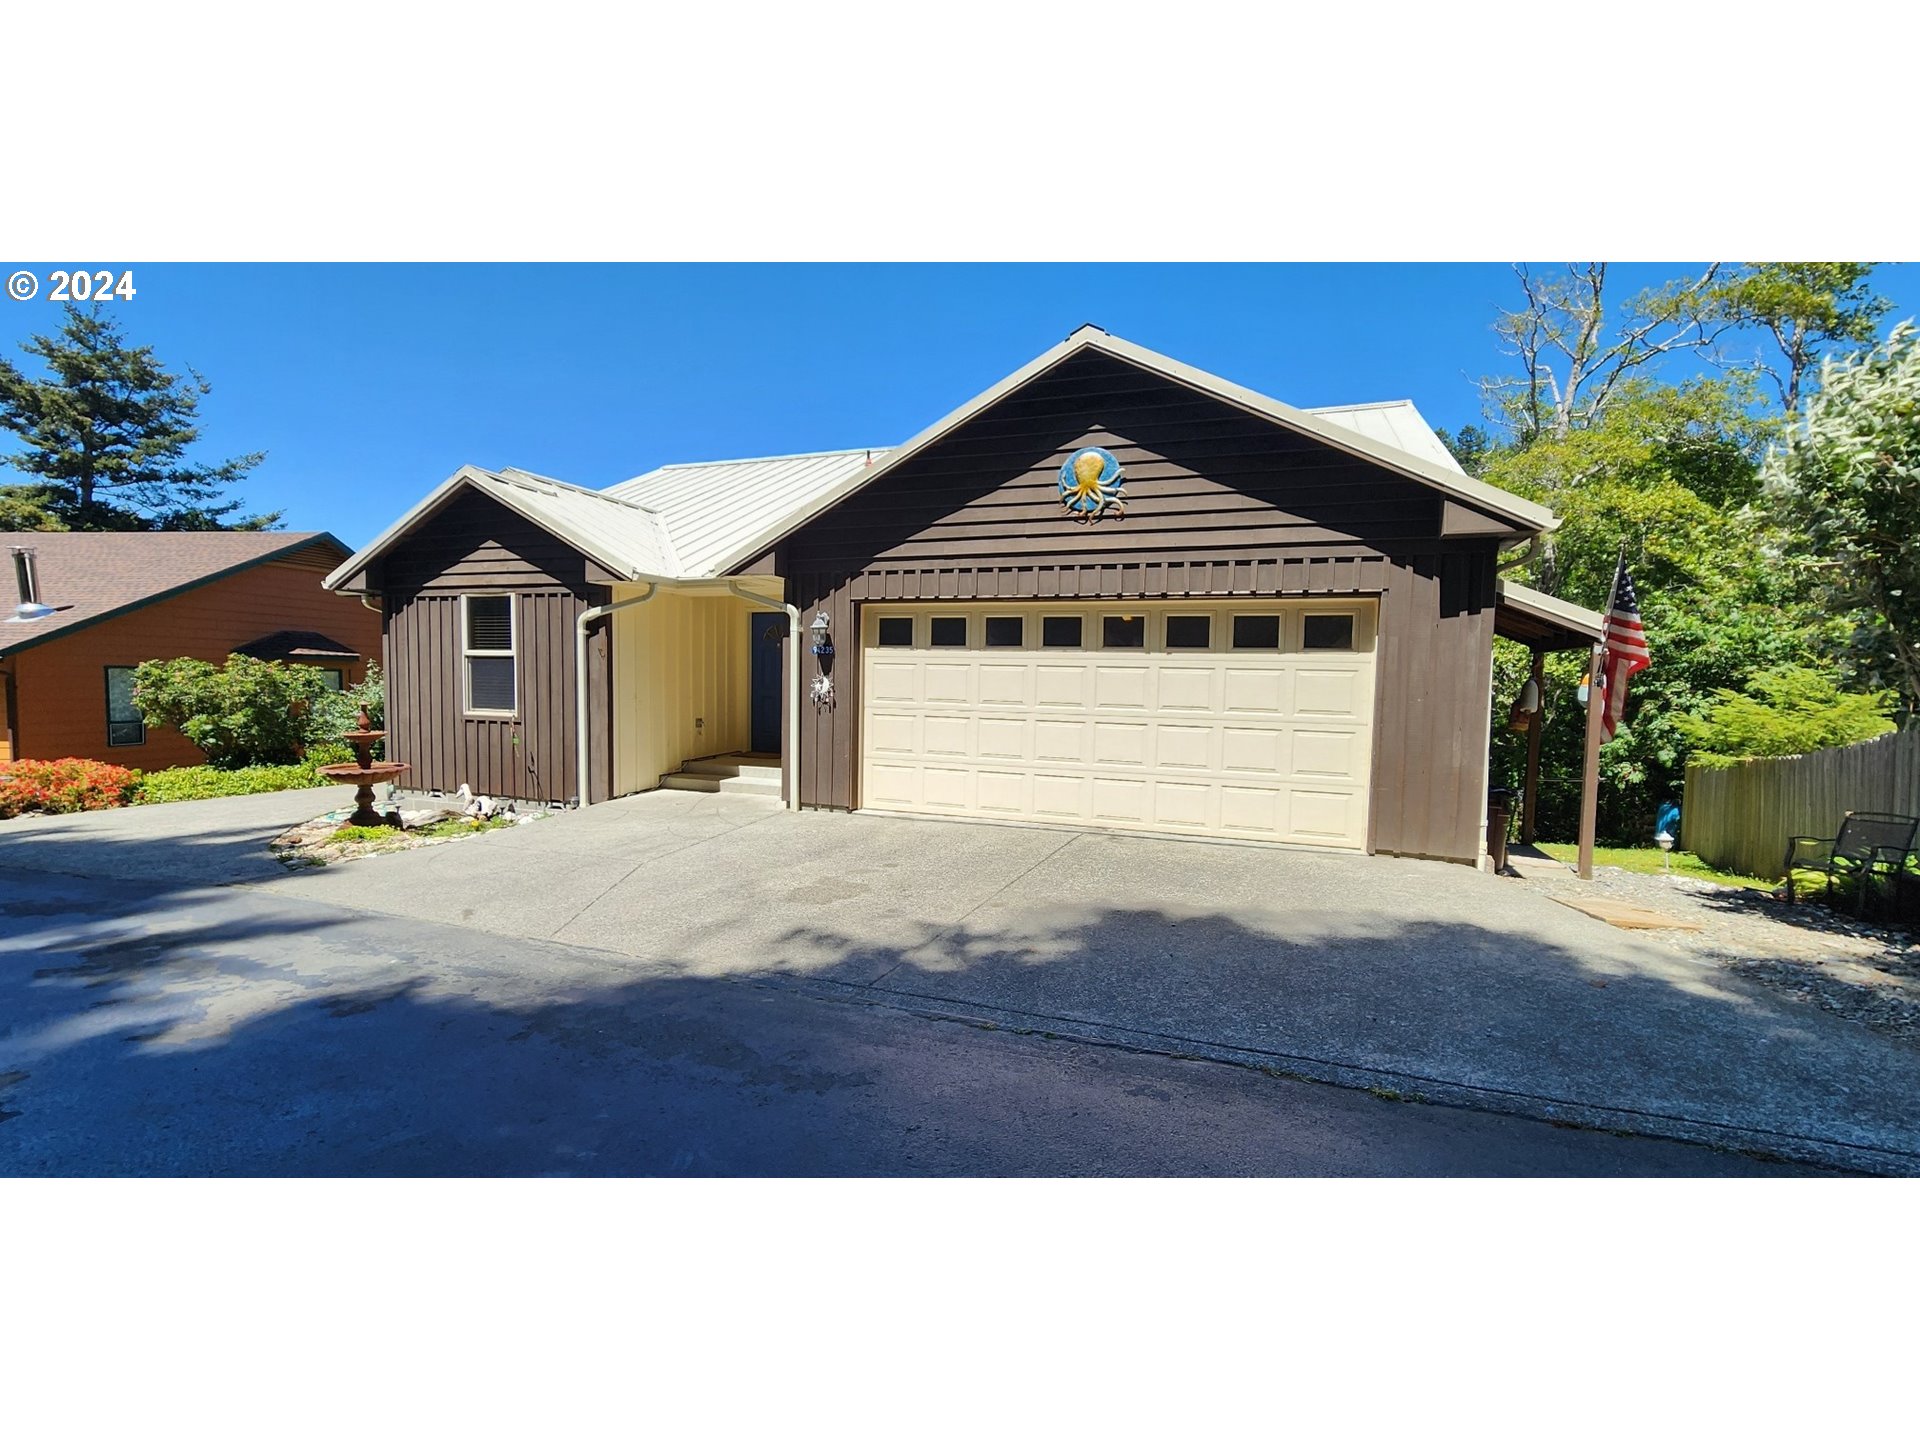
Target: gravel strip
[(1861, 971)]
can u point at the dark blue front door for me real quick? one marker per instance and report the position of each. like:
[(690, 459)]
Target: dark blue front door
[(769, 630)]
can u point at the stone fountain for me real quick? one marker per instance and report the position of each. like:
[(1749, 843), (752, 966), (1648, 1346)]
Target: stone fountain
[(365, 772)]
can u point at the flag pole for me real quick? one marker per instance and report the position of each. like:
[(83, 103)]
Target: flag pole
[(1590, 774)]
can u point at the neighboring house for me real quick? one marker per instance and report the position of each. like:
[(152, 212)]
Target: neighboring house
[(1270, 624), (90, 606)]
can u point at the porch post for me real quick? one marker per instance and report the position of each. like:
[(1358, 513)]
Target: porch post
[(1530, 788), (1590, 776)]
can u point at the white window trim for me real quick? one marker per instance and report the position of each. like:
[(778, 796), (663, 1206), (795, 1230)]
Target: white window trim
[(467, 652)]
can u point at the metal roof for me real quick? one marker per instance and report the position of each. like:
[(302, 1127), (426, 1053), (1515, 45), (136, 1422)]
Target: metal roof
[(618, 534), (713, 508), (1392, 422), (1544, 621), (704, 519)]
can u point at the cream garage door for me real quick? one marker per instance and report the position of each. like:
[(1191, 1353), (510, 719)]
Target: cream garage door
[(1246, 720)]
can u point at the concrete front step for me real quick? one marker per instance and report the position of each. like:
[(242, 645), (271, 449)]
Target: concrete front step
[(753, 767), (727, 784)]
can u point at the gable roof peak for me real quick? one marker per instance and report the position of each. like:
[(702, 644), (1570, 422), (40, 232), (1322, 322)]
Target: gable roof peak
[(1428, 471)]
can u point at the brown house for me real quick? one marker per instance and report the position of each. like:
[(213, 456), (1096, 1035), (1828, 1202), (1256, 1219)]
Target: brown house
[(88, 607), (1110, 591)]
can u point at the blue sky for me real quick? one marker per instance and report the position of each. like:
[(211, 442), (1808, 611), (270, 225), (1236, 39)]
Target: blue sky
[(368, 384)]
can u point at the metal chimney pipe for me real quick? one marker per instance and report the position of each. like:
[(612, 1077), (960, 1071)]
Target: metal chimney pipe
[(24, 577)]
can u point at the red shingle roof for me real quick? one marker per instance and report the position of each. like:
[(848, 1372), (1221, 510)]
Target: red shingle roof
[(91, 575)]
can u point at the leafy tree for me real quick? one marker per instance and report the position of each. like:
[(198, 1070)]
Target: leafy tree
[(1804, 307), (1573, 356), (107, 430), (25, 507), (1671, 470), (1666, 468), (1847, 481), (247, 712), (1788, 711)]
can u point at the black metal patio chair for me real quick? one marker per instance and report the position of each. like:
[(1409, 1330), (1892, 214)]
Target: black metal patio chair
[(1869, 842)]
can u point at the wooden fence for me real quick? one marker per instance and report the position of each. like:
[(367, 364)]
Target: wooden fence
[(1739, 818)]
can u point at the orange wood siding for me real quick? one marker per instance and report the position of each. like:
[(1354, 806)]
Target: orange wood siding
[(60, 698)]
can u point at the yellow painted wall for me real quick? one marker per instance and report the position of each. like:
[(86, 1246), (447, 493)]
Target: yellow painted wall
[(677, 659)]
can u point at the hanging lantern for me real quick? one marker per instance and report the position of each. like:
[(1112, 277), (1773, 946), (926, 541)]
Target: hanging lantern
[(1520, 717)]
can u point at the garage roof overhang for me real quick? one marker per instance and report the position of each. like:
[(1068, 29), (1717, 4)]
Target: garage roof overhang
[(1542, 622)]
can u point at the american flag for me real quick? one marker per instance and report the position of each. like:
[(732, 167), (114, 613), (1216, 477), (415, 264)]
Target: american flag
[(1623, 649)]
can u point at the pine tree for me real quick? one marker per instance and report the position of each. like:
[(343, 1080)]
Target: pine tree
[(107, 431)]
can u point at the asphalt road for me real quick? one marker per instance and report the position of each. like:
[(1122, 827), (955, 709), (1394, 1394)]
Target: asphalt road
[(160, 1029)]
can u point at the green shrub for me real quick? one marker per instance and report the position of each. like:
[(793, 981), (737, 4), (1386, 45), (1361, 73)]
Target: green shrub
[(1789, 710), (208, 782), (334, 752), (246, 712), (338, 711), (59, 787)]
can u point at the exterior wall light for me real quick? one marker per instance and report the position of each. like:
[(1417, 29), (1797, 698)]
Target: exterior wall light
[(822, 641)]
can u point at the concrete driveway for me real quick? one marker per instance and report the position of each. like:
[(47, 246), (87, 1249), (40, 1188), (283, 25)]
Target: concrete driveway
[(1403, 977)]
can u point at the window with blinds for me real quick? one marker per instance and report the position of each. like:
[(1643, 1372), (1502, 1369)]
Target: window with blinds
[(488, 622)]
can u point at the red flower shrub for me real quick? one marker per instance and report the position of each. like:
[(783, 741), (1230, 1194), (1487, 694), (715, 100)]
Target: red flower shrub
[(61, 786)]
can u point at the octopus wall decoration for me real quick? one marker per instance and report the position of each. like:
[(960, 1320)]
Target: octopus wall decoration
[(1092, 486)]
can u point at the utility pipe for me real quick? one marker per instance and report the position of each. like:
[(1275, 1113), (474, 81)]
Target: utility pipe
[(789, 762), (587, 617)]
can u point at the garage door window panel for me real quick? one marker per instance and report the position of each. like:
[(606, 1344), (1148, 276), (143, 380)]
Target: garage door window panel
[(1189, 632), (895, 632), (947, 632), (1256, 632), (1123, 632), (1060, 632), (1326, 632), (1006, 632)]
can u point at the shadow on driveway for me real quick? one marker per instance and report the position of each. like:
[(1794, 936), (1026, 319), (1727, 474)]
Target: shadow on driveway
[(1401, 976), (229, 1033)]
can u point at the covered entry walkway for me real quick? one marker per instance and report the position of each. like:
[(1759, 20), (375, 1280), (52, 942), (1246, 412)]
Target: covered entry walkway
[(1544, 625)]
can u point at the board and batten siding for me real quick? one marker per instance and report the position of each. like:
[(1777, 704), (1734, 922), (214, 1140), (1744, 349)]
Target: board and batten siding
[(681, 682), (476, 546), (1220, 503)]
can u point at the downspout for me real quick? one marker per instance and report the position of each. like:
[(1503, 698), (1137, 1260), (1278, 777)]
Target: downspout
[(584, 619), (788, 762), (1523, 556)]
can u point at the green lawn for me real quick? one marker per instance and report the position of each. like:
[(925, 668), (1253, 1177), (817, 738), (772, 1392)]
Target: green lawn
[(1646, 860)]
